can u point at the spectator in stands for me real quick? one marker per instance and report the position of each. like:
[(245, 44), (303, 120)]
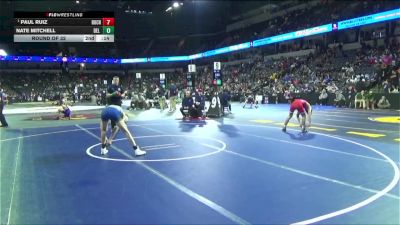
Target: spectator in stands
[(386, 86), (360, 98), (143, 102), (2, 104), (351, 93), (198, 106), (225, 99), (274, 96), (161, 97), (323, 97), (134, 101), (340, 100), (173, 93), (370, 100), (394, 89), (383, 103), (187, 104)]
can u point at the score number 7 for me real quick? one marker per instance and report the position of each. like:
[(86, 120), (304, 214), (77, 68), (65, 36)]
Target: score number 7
[(108, 21)]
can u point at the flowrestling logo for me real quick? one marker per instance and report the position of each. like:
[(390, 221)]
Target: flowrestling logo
[(63, 15)]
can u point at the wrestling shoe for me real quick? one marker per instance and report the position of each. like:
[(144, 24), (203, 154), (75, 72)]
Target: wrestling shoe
[(139, 152), (304, 130), (104, 151)]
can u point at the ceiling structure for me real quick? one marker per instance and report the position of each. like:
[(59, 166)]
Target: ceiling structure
[(193, 17)]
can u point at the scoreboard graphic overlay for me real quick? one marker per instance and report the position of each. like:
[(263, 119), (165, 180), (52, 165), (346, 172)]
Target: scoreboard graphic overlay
[(64, 26)]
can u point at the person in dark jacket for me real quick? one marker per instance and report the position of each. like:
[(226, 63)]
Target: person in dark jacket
[(187, 104), (2, 104), (199, 104), (225, 99)]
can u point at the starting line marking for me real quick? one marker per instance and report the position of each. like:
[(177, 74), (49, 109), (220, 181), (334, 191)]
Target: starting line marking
[(386, 119), (262, 121), (288, 125), (371, 135), (293, 125), (322, 128)]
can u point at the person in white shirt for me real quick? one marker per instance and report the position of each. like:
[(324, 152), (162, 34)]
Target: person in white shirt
[(383, 103)]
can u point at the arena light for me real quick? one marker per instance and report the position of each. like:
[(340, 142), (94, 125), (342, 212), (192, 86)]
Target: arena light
[(77, 1), (227, 49), (3, 53), (135, 60), (174, 5), (169, 58)]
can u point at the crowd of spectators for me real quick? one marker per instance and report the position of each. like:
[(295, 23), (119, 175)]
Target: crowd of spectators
[(327, 72)]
